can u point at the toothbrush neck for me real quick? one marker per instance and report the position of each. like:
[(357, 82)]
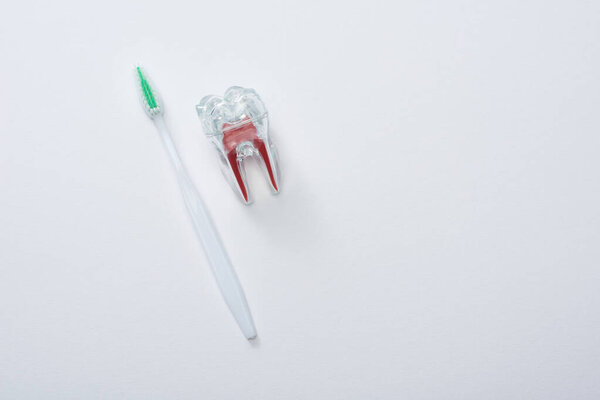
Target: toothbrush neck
[(165, 136)]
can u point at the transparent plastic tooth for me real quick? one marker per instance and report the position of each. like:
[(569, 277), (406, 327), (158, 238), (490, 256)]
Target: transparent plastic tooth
[(237, 124)]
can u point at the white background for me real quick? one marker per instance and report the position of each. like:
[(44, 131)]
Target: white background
[(437, 235)]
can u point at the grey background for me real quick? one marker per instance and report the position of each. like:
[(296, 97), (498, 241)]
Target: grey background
[(437, 234)]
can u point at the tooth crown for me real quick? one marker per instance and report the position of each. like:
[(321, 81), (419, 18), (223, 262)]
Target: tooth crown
[(237, 124)]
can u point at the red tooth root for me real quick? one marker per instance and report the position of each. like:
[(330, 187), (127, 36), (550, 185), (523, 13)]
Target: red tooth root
[(262, 149), (245, 133), (235, 167)]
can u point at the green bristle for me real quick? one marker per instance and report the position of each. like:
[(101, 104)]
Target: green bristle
[(149, 97)]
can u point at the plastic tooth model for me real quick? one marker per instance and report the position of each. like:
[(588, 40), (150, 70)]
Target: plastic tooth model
[(237, 124)]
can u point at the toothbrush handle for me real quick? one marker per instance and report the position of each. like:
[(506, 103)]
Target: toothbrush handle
[(217, 257), (219, 262)]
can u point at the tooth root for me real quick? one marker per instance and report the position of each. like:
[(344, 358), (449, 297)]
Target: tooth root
[(269, 162), (235, 165), (241, 142)]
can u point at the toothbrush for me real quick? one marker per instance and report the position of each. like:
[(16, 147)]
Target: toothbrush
[(215, 252)]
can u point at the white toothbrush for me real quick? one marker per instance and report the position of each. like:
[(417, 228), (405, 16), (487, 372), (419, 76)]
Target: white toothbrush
[(215, 252)]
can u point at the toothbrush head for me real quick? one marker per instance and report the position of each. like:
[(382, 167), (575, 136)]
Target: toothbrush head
[(149, 98)]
